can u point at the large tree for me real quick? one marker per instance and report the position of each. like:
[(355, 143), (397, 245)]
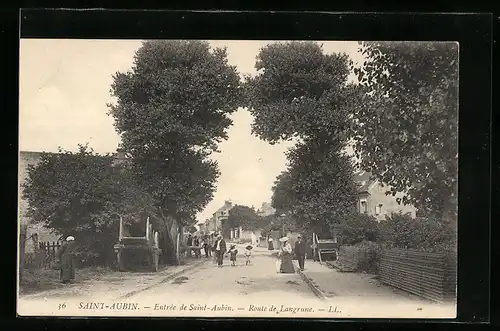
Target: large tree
[(83, 194), (244, 217), (408, 121), (302, 93), (317, 190), (171, 110)]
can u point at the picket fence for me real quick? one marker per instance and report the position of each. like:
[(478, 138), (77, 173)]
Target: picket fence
[(429, 275), (47, 253)]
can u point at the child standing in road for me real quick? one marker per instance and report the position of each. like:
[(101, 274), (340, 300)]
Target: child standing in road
[(232, 253), (248, 254)]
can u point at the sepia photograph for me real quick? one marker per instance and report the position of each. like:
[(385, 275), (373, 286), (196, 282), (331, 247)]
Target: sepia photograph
[(238, 178)]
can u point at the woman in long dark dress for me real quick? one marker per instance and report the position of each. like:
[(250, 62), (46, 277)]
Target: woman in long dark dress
[(286, 257), (270, 245), (66, 259)]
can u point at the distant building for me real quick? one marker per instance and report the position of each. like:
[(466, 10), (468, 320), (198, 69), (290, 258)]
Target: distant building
[(373, 201), (215, 222), (266, 209)]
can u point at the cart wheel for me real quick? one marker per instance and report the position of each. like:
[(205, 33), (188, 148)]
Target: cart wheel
[(121, 262)]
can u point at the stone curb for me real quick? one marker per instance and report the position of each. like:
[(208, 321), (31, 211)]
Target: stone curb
[(164, 280), (314, 288)]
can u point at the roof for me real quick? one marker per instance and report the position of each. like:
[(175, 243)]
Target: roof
[(363, 178)]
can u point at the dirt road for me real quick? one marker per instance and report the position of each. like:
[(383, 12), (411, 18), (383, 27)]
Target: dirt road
[(256, 290)]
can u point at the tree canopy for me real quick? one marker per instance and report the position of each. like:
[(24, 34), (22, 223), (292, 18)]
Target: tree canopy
[(408, 121), (244, 217), (83, 194), (171, 110), (358, 227), (317, 189), (300, 92), (191, 229)]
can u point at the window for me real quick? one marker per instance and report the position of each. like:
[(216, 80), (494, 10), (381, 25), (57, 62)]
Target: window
[(363, 206), (378, 209)]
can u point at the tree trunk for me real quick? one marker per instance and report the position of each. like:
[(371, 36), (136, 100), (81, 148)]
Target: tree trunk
[(22, 249)]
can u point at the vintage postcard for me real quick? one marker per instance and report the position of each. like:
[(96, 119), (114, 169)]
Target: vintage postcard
[(212, 178)]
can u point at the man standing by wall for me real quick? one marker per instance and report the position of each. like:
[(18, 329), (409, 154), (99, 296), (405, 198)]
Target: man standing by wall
[(300, 251), (220, 250)]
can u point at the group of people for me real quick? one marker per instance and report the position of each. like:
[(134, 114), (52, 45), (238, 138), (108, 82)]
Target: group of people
[(217, 248), (193, 244), (220, 250), (286, 254), (66, 257)]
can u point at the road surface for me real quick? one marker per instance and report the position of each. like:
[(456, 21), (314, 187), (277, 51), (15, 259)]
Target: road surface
[(257, 290), (258, 283)]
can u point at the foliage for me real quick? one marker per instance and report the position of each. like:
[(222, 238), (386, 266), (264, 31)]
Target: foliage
[(244, 217), (408, 121), (357, 227), (424, 233), (82, 194), (172, 109), (318, 188), (364, 256), (191, 229), (301, 93), (278, 223)]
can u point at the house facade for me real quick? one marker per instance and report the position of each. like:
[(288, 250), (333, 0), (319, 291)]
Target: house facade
[(373, 201), (266, 209), (215, 222), (242, 235)]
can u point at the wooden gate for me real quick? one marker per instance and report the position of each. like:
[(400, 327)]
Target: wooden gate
[(46, 254)]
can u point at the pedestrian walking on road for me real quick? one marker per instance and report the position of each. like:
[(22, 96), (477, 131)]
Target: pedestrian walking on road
[(300, 252), (270, 245), (220, 250), (189, 244), (206, 246), (232, 255), (286, 266), (197, 250), (66, 260), (248, 254), (210, 246)]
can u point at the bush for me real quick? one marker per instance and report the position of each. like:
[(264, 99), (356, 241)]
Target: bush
[(358, 227), (369, 256), (424, 233), (363, 256)]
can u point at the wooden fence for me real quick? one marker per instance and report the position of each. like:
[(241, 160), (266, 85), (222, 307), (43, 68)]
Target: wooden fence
[(429, 275), (44, 255)]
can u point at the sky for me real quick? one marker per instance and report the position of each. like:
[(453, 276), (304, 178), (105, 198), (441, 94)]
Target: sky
[(64, 91)]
